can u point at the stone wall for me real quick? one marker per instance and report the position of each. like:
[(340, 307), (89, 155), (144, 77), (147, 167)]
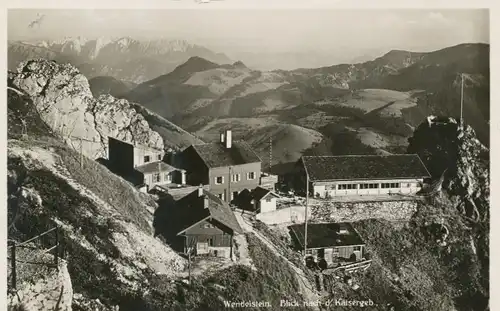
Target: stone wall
[(354, 211)]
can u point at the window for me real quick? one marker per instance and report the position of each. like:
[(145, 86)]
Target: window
[(395, 185), (159, 157), (335, 251), (373, 186), (356, 248), (211, 242), (207, 225), (219, 180), (156, 177), (167, 177), (147, 159), (309, 252), (363, 186), (235, 177), (268, 200), (221, 196), (234, 195), (347, 186), (251, 176)]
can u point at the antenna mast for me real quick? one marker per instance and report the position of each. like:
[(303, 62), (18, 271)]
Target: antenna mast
[(462, 100), (270, 153)]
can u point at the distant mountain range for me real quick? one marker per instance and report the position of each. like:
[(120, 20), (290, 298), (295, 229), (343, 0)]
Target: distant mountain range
[(369, 107), (124, 58)]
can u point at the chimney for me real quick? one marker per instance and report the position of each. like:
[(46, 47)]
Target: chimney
[(222, 137), (205, 202), (228, 139), (200, 191)]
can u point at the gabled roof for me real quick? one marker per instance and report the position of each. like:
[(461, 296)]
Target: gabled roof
[(217, 155), (154, 167), (364, 167), (194, 207), (260, 193), (325, 235)]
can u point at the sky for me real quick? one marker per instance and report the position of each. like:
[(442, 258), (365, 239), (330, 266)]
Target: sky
[(333, 31)]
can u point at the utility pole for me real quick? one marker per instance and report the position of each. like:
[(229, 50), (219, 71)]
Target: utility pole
[(305, 216), (81, 152), (270, 153), (189, 267), (229, 186), (462, 100)]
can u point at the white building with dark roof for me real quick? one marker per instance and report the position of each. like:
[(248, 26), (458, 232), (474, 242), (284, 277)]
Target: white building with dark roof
[(357, 175), (228, 167)]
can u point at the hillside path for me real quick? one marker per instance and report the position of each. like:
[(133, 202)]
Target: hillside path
[(306, 288)]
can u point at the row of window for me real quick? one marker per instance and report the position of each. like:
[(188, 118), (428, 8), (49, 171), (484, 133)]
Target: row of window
[(167, 177), (235, 178), (336, 250), (371, 186), (223, 197), (147, 158)]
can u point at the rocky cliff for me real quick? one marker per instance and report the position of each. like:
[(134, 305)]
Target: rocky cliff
[(62, 97), (447, 147)]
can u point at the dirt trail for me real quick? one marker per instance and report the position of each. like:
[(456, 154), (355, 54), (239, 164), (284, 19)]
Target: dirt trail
[(306, 288)]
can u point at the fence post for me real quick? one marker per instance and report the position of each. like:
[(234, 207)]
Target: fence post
[(13, 264), (56, 255)]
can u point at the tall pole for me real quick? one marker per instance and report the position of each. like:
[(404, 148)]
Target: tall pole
[(13, 265), (270, 153), (229, 186), (189, 267), (305, 216), (462, 100), (81, 152)]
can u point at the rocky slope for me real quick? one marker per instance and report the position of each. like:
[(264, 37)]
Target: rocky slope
[(62, 97), (106, 225), (443, 144), (124, 58), (374, 105)]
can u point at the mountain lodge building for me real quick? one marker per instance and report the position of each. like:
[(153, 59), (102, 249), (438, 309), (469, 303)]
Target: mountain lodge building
[(144, 164), (207, 224), (358, 175), (227, 167)]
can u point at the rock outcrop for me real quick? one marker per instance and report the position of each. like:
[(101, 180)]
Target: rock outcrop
[(444, 144), (62, 96)]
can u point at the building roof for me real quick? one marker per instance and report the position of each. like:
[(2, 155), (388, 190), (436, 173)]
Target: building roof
[(217, 155), (260, 193), (364, 167), (195, 211), (152, 167), (325, 235), (136, 145)]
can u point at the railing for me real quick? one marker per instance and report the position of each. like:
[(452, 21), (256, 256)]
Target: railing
[(14, 247)]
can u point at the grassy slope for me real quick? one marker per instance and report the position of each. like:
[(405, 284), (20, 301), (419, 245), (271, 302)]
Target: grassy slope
[(272, 281)]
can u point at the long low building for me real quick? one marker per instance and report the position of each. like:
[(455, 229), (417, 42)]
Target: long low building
[(351, 175)]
